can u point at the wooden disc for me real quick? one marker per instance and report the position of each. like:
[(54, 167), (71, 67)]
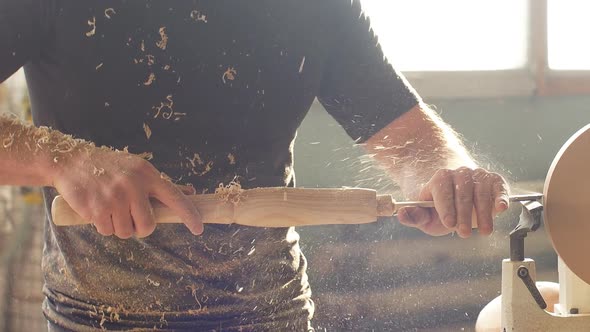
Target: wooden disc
[(567, 203)]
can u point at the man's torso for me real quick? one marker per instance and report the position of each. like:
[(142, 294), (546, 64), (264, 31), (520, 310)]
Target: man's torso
[(212, 90)]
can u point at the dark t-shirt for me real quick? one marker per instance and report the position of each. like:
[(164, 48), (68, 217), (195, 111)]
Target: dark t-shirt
[(213, 89)]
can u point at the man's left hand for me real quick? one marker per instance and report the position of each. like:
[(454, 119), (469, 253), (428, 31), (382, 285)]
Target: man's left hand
[(459, 196)]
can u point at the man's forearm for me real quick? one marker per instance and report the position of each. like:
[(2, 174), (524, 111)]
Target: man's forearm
[(414, 146), (29, 155)]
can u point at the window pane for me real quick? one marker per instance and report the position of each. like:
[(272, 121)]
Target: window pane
[(435, 35), (568, 28)]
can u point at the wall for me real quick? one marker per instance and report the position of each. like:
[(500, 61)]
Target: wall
[(519, 135)]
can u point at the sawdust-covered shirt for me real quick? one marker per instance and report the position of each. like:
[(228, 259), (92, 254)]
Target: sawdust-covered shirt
[(212, 90)]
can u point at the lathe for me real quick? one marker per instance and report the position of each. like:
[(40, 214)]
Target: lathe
[(563, 208)]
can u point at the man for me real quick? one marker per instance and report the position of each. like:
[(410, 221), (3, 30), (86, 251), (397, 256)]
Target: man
[(207, 91)]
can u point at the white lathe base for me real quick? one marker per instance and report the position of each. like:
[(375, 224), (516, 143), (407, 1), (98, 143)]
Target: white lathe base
[(520, 312)]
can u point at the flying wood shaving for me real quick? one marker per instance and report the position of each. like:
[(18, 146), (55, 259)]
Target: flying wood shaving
[(142, 46), (148, 131), (92, 24), (108, 12), (230, 193), (163, 42), (99, 65), (178, 116), (301, 66)]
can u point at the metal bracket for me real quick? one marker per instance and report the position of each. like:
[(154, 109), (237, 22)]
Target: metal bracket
[(530, 220)]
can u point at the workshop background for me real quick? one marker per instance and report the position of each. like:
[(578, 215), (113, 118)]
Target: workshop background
[(509, 75)]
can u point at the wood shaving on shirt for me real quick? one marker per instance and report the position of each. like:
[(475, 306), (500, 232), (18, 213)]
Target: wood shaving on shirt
[(150, 79), (231, 193), (150, 59), (163, 42), (198, 16), (231, 158), (229, 74), (92, 25), (147, 130), (109, 12)]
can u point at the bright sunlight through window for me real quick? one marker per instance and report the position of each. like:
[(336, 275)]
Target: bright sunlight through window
[(451, 35), (568, 27)]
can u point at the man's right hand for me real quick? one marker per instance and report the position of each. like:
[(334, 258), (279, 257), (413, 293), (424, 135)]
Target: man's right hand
[(112, 189)]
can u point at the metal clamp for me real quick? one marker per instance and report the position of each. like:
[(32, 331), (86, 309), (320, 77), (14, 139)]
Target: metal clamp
[(530, 220)]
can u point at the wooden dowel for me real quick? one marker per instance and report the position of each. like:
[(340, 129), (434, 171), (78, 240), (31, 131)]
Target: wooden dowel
[(269, 207)]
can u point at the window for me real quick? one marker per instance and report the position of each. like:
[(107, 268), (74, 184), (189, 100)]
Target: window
[(451, 35), (486, 48), (567, 34)]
